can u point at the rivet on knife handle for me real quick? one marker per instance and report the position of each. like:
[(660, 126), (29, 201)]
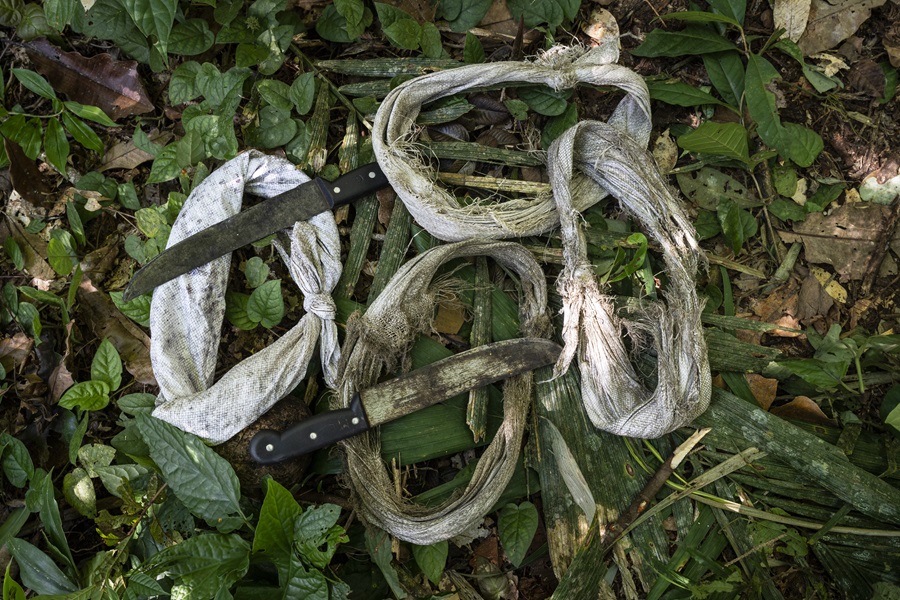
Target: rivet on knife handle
[(318, 431)]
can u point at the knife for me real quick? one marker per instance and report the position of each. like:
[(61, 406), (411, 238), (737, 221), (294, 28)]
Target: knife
[(281, 211), (408, 393)]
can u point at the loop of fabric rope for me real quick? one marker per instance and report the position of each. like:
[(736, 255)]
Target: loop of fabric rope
[(186, 313), (377, 341)]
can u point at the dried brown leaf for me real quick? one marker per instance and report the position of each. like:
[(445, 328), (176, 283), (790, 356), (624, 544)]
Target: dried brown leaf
[(14, 350), (125, 155), (780, 308), (804, 409), (34, 250), (813, 300), (26, 178), (111, 85), (792, 15), (763, 388), (830, 23)]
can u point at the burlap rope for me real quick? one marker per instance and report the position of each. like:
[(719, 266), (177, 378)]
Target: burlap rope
[(586, 164)]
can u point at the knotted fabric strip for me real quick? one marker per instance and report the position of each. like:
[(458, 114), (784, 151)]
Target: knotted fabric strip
[(186, 313), (393, 139), (613, 395), (376, 343)]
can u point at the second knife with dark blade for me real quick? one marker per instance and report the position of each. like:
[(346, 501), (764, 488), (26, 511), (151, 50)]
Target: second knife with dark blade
[(281, 211)]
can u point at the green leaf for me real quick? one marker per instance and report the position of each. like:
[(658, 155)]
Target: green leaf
[(353, 11), (734, 9), (83, 134), (690, 41), (890, 408), (378, 544), (537, 12), (317, 535), (127, 196), (203, 566), (431, 41), (11, 588), (707, 225), (34, 82), (803, 144), (236, 311), (303, 92), (463, 15), (79, 492), (266, 305), (275, 129), (276, 93), (75, 222), (761, 102), (144, 585), (166, 166), (738, 225), (17, 464), (726, 72), (517, 526), (136, 309), (432, 559), (107, 366), (60, 257), (132, 404), (60, 12), (403, 33), (87, 395), (517, 108), (191, 38), (557, 125), (26, 133), (723, 139), (202, 480), (698, 16), (91, 113), (333, 27), (302, 583), (43, 491), (679, 94), (473, 53), (38, 571), (29, 318), (115, 477), (256, 272), (545, 101), (787, 210), (77, 438), (154, 18), (34, 23), (56, 145), (183, 85), (274, 537), (14, 253), (149, 221)]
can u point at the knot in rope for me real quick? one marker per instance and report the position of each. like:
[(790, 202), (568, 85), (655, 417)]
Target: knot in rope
[(321, 305)]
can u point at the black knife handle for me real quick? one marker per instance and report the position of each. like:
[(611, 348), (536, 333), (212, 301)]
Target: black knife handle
[(353, 185), (318, 431)]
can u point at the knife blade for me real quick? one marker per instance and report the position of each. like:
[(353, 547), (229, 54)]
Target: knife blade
[(408, 393), (281, 211)]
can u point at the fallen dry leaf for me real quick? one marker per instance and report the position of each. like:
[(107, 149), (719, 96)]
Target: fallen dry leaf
[(60, 380), (449, 318), (25, 176), (763, 388), (792, 15), (813, 301), (34, 249), (835, 290), (665, 152), (125, 155), (844, 239), (111, 85), (106, 321), (867, 77), (803, 409), (14, 350), (830, 23), (780, 308)]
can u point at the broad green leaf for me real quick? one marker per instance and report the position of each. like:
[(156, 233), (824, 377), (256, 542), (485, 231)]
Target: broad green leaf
[(317, 535), (93, 456), (26, 133), (738, 225), (30, 319), (256, 272), (707, 225), (277, 93), (149, 221), (723, 139), (679, 93), (332, 26), (47, 297), (698, 16), (216, 134), (726, 72), (83, 134), (56, 146), (352, 11), (154, 18), (191, 38), (202, 480), (473, 53), (87, 395), (75, 222), (517, 108), (15, 520), (127, 196), (300, 582), (79, 492), (91, 113), (735, 9), (378, 544), (34, 23), (59, 13), (43, 492), (14, 253), (404, 33), (34, 82), (784, 178), (275, 129), (114, 477), (787, 210), (183, 85), (690, 41), (708, 187), (536, 13), (60, 257), (134, 403), (144, 585), (17, 464), (276, 40), (166, 166), (803, 144), (517, 526), (431, 41), (303, 92), (136, 309), (432, 559), (107, 366), (761, 102), (236, 311), (557, 125), (890, 408), (463, 15), (274, 536), (38, 571), (203, 566), (266, 305), (78, 438)]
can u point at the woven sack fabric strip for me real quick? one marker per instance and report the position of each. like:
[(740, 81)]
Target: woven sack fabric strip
[(186, 313)]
